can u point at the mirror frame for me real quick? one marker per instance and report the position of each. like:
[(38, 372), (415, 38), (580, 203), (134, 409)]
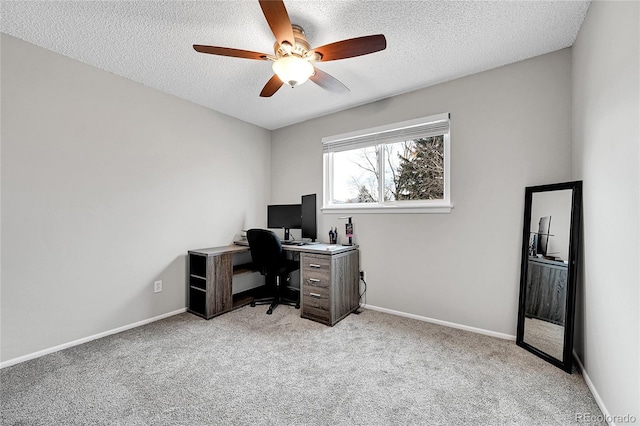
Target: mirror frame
[(566, 362)]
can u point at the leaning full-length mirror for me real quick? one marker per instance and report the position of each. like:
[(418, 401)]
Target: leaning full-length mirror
[(550, 242)]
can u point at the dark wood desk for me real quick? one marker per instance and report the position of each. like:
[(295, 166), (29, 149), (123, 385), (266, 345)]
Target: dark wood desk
[(329, 280)]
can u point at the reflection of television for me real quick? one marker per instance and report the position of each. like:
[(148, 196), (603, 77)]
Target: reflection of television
[(543, 235), (285, 216), (309, 222)]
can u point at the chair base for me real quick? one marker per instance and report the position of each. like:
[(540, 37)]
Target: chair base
[(277, 298), (274, 302)]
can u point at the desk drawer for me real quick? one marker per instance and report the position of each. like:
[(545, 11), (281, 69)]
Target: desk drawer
[(315, 303), (317, 314), (316, 271), (315, 263), (319, 279), (315, 296)]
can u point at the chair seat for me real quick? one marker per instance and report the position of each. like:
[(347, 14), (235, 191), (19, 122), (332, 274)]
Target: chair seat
[(271, 261)]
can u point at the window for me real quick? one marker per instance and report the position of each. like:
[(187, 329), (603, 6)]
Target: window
[(402, 167)]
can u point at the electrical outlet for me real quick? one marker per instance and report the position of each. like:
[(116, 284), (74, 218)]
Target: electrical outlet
[(363, 275), (157, 286)]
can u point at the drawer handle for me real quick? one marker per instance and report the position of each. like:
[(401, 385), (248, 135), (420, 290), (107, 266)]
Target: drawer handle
[(314, 265), (314, 280), (314, 295)]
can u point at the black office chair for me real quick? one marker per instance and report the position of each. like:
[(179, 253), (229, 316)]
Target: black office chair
[(271, 261)]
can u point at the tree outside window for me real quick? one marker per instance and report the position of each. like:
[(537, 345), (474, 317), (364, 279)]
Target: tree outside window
[(413, 170)]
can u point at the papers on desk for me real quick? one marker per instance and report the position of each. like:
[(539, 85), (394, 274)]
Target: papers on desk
[(339, 248), (241, 239)]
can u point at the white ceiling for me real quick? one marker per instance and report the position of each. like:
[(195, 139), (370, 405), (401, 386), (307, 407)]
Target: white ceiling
[(428, 42)]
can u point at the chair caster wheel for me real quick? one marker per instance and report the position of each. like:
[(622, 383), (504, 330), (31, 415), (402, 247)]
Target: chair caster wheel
[(298, 306), (269, 312), (253, 304)]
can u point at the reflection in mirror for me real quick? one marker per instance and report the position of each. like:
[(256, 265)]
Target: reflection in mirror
[(547, 287), (546, 293)]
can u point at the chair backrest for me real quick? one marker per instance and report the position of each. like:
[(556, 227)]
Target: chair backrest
[(266, 250)]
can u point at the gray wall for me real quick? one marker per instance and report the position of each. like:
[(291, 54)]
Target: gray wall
[(606, 111), (105, 185), (510, 128)]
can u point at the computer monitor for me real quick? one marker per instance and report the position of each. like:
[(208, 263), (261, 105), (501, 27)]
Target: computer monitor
[(287, 216), (543, 235), (309, 221)]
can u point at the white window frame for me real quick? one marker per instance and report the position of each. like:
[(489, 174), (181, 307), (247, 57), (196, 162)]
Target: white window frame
[(379, 136)]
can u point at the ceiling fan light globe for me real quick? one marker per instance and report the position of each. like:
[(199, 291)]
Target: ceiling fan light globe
[(293, 70)]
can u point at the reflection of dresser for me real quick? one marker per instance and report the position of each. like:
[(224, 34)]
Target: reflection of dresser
[(546, 290)]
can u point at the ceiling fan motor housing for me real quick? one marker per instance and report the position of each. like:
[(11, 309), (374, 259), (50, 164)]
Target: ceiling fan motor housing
[(300, 49), (294, 57)]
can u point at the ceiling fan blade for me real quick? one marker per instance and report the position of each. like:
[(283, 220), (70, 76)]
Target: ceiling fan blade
[(328, 82), (352, 47), (278, 19), (271, 87), (226, 51)]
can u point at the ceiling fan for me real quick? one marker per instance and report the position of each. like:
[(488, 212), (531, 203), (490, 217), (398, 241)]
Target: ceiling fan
[(293, 55)]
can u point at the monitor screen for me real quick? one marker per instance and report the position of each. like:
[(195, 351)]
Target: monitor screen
[(286, 216), (309, 222), (543, 235)]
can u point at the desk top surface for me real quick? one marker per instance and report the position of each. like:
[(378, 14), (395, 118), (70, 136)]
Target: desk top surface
[(326, 249), (542, 260)]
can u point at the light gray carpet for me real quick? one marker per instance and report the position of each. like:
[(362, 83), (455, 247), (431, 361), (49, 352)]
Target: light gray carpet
[(246, 367)]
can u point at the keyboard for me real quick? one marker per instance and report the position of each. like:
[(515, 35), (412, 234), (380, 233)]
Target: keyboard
[(292, 243)]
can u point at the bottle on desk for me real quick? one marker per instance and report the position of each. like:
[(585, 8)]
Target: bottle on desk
[(333, 235)]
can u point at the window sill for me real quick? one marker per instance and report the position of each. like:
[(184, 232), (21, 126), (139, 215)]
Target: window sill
[(393, 209)]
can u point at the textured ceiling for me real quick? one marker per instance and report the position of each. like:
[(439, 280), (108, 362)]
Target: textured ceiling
[(428, 42)]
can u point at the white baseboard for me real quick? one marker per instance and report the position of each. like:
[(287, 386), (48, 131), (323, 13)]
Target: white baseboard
[(593, 390), (445, 323), (87, 339)]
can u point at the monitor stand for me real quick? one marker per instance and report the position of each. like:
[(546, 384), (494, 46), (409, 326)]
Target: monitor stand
[(287, 235)]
